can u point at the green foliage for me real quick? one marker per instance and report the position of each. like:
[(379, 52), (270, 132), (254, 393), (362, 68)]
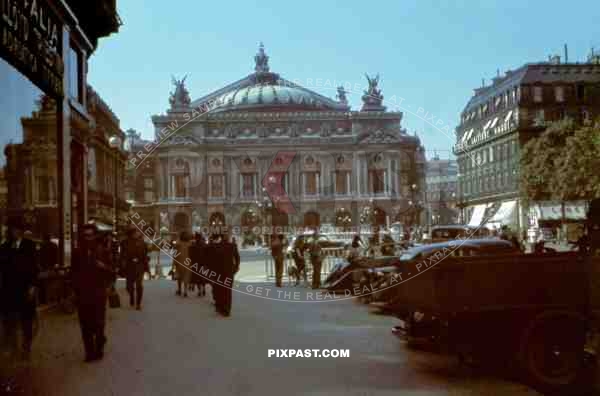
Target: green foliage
[(562, 163)]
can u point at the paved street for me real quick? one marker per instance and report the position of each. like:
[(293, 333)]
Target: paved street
[(179, 346)]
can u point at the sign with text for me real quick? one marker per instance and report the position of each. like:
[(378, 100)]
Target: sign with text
[(30, 40)]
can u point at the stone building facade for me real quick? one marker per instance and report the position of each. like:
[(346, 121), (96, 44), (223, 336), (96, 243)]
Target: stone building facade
[(503, 116), (441, 179), (266, 151)]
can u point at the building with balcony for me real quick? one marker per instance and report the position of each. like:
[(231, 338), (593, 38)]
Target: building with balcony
[(499, 119), (106, 166), (265, 150), (441, 190)]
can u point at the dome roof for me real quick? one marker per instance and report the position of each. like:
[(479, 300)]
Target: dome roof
[(261, 96), (264, 90)]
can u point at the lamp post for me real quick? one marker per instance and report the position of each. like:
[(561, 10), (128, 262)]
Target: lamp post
[(264, 206), (115, 143)]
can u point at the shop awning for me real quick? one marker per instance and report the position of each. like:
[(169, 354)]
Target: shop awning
[(102, 227), (573, 211), (477, 216), (504, 215)]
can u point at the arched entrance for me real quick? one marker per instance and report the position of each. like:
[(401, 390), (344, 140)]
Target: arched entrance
[(181, 222), (250, 218), (279, 220), (216, 219), (343, 219), (312, 220), (379, 217)]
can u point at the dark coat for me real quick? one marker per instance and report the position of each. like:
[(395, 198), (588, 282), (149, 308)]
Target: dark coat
[(91, 274), (198, 252), (48, 256), (18, 274), (134, 249)]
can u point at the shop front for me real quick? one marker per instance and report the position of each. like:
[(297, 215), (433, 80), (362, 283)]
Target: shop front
[(43, 63)]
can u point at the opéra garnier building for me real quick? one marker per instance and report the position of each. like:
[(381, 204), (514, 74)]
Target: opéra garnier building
[(264, 150)]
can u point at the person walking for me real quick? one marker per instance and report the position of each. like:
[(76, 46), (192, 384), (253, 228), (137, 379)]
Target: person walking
[(316, 261), (184, 275), (277, 254), (300, 261), (223, 255), (197, 255), (92, 272), (134, 256), (18, 281)]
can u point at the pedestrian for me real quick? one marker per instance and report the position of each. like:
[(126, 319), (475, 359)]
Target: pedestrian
[(236, 254), (48, 254), (300, 261), (184, 275), (277, 254), (134, 256), (316, 260), (223, 257), (92, 272), (197, 256), (18, 277)]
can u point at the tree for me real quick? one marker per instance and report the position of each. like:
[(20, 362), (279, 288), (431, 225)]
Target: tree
[(538, 161), (578, 166), (562, 163)]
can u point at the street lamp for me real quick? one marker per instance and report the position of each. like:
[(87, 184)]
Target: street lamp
[(115, 143), (264, 206)]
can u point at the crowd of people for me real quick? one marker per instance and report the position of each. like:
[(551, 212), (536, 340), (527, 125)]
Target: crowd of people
[(95, 266), (218, 255)]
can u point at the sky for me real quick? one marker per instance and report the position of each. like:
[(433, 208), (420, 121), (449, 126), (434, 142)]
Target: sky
[(430, 54)]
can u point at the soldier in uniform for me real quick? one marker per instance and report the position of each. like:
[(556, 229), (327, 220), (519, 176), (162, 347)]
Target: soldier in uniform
[(316, 260), (277, 254), (92, 273)]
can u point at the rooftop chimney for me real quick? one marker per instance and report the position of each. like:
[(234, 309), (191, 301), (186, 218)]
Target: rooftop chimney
[(496, 79), (566, 54), (594, 58)]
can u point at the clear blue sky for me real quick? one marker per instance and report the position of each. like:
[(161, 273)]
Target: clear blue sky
[(430, 53)]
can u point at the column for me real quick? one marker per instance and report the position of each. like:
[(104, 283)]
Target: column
[(318, 184), (388, 187), (348, 186), (84, 183), (356, 169), (64, 157)]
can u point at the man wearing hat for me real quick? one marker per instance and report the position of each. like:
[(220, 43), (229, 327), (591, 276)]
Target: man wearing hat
[(92, 273), (18, 280)]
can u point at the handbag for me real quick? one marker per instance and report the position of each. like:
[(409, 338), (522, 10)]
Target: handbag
[(114, 300)]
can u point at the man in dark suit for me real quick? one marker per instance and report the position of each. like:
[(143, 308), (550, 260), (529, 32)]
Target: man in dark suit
[(18, 274), (134, 255), (92, 273), (223, 255)]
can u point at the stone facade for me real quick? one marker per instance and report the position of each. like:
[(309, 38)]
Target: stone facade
[(264, 150), (500, 118)]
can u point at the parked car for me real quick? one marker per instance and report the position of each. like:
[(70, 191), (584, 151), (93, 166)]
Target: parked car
[(323, 240), (529, 311), (380, 278), (449, 232)]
